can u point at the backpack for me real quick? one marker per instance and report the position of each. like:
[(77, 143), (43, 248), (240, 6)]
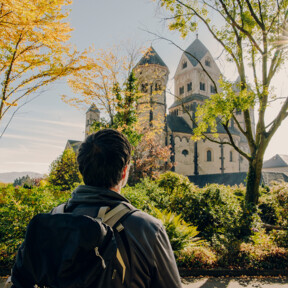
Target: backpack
[(72, 251)]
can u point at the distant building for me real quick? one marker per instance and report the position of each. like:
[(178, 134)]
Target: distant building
[(92, 115), (192, 87), (275, 169), (202, 161), (278, 163)]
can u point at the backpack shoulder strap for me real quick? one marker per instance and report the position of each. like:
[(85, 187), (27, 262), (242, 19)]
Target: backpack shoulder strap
[(110, 218), (114, 215), (59, 209)]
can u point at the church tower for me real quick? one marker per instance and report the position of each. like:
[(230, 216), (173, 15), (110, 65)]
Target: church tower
[(92, 115), (152, 74)]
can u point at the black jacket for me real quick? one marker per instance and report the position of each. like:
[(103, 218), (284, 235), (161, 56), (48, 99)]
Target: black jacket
[(147, 247)]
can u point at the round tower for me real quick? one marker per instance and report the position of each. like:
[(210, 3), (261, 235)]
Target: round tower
[(152, 74), (92, 115)]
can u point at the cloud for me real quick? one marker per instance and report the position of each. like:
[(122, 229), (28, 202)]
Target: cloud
[(46, 140), (54, 122)]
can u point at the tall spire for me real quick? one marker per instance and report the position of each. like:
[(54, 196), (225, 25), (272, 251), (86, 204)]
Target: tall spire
[(197, 49), (151, 57)]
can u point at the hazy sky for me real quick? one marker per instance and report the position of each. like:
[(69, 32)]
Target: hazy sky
[(38, 133)]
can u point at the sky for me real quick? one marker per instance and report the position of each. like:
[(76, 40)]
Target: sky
[(38, 132)]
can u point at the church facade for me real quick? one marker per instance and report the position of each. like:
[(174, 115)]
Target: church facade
[(192, 87)]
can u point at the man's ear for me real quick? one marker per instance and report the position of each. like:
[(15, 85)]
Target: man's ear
[(125, 171)]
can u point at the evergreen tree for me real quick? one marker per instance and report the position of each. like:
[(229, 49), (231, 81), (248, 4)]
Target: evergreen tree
[(64, 171)]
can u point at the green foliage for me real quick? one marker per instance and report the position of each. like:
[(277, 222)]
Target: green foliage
[(262, 255), (26, 181), (213, 209), (137, 196), (125, 107), (220, 108), (64, 171), (197, 257), (274, 210), (180, 233), (213, 213), (171, 182), (17, 207), (253, 41)]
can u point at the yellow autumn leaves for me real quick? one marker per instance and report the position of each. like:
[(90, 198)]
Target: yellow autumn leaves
[(33, 49)]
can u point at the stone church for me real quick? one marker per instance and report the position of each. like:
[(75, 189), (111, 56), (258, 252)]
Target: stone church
[(192, 87)]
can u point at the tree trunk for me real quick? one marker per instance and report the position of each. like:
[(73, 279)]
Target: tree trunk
[(253, 181)]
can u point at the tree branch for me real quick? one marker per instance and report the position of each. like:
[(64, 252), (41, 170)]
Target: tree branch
[(240, 28), (211, 31), (199, 62), (279, 118), (232, 143)]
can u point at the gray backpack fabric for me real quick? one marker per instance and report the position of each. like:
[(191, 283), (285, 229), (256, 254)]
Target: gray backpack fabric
[(72, 251)]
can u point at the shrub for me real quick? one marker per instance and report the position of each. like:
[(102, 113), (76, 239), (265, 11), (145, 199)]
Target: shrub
[(17, 207), (172, 182), (137, 196), (180, 233), (64, 171), (263, 256), (145, 194), (196, 257)]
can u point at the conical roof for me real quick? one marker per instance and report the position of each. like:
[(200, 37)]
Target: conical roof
[(151, 57), (198, 50), (93, 108)]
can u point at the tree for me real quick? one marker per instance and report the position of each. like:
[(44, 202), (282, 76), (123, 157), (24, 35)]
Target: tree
[(64, 171), (150, 158), (111, 84), (248, 31), (25, 181), (33, 49), (97, 85), (124, 117)]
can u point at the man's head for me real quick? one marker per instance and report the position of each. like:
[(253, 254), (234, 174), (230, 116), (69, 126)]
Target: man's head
[(102, 158)]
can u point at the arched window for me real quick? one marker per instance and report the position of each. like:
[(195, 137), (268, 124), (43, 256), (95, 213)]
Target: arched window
[(184, 64), (212, 89), (158, 86), (202, 86), (185, 152), (144, 87), (209, 156), (208, 62)]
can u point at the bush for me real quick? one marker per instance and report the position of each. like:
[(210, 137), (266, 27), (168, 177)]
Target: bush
[(262, 257), (137, 196), (180, 233), (64, 171), (17, 207), (197, 257), (171, 182)]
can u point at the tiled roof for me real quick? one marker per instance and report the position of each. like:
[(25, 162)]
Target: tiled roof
[(276, 161), (74, 144), (268, 177), (178, 124), (235, 178), (220, 129), (198, 50), (151, 57), (189, 98), (225, 179), (93, 108)]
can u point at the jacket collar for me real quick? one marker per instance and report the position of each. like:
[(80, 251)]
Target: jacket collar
[(95, 195)]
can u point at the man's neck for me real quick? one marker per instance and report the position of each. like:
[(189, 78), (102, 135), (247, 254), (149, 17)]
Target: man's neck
[(116, 188)]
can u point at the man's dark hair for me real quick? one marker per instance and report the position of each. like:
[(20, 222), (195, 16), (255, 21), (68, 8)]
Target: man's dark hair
[(102, 158)]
